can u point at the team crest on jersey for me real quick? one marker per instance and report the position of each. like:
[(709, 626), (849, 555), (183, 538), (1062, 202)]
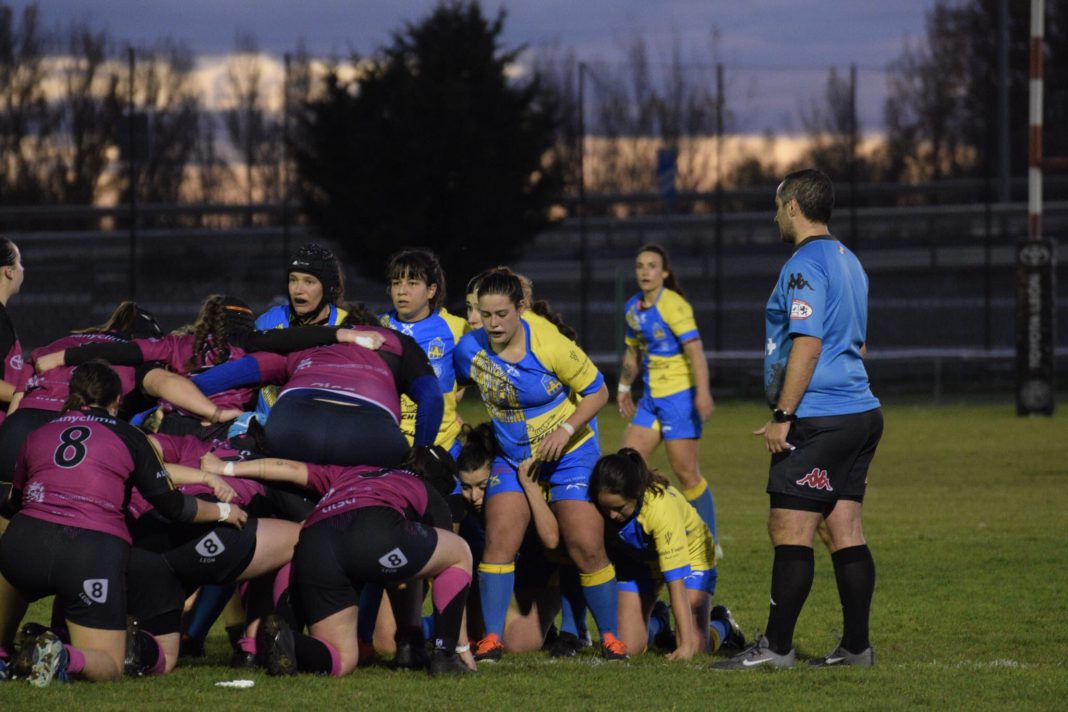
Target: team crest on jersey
[(304, 363), (633, 320), (817, 479), (658, 331), (435, 349), (34, 493), (800, 310), (550, 384)]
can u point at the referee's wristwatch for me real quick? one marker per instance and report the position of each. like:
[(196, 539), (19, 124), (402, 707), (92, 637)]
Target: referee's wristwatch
[(781, 416)]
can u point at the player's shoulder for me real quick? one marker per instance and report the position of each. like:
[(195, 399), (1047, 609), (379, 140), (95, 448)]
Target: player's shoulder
[(274, 317), (632, 303), (456, 325), (671, 301)]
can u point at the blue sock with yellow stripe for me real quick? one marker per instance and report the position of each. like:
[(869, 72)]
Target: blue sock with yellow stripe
[(599, 589), (700, 496), (495, 584)]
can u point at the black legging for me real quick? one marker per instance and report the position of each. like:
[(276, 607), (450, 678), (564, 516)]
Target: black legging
[(13, 433), (300, 427)]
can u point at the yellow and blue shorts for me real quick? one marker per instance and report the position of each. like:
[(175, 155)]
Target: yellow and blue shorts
[(568, 478), (675, 416), (645, 580)]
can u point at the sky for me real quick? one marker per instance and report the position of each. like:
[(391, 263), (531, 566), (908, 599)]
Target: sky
[(777, 52)]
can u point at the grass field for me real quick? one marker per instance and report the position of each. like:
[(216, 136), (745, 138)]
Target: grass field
[(967, 517)]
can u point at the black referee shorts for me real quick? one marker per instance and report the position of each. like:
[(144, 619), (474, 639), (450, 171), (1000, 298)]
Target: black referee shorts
[(829, 461)]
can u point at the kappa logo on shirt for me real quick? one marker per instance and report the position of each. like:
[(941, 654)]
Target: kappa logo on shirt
[(798, 281), (800, 310), (407, 329), (817, 479)]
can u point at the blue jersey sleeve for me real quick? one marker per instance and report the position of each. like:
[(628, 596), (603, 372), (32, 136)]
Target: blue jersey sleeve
[(244, 371), (806, 288)]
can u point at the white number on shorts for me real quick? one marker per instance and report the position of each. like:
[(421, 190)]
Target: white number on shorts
[(210, 546), (96, 589), (394, 559)]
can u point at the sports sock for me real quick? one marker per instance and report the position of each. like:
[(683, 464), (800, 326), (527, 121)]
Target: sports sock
[(791, 580), (428, 627), (209, 605), (449, 594), (572, 602), (854, 571), (599, 589), (315, 656), (495, 585), (718, 632), (75, 659), (367, 615), (655, 626), (700, 496)]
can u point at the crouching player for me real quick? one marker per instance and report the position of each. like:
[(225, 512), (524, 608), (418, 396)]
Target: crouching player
[(373, 525), (658, 537), (68, 535)]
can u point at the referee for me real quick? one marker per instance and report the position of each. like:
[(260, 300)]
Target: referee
[(824, 428)]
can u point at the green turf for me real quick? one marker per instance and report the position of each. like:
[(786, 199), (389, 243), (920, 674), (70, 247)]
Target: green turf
[(967, 516)]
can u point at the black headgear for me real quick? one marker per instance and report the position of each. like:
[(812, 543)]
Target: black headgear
[(145, 325), (435, 466), (239, 321), (321, 263)]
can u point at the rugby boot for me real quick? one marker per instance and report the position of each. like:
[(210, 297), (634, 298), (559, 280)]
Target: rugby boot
[(191, 648), (566, 645), (28, 634), (274, 640), (736, 638), (411, 656), (49, 660), (447, 662), (757, 655), (489, 649), (612, 648), (840, 656), (366, 652), (5, 669), (665, 639)]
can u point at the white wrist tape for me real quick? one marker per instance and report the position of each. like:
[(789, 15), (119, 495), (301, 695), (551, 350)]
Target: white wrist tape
[(224, 511), (567, 426), (228, 469), (623, 388), (365, 341), (461, 649)]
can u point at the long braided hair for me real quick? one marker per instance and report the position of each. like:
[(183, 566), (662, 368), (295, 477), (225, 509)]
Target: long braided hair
[(222, 321)]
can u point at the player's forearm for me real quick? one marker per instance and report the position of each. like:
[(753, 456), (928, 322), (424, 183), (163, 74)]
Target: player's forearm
[(695, 352), (628, 372), (680, 607), (180, 391), (804, 355), (545, 524), (588, 407), (270, 469)]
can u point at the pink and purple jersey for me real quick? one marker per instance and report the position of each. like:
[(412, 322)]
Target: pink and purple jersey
[(78, 471), (176, 351), (49, 390), (347, 488), (15, 371), (345, 370)]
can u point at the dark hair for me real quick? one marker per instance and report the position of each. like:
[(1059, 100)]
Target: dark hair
[(479, 447), (222, 320), (434, 465), (360, 315), (625, 473), (8, 250), (322, 264), (524, 282), (93, 383), (419, 264), (672, 280), (129, 321), (542, 309), (501, 280), (814, 193)]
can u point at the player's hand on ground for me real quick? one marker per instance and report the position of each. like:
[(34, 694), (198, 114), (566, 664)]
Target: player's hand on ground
[(705, 405), (552, 447), (626, 405), (49, 361), (367, 339), (774, 435), (683, 652), (468, 659)]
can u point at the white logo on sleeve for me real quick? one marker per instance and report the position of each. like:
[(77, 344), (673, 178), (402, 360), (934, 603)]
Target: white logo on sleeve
[(800, 309), (770, 348), (210, 546), (96, 590), (393, 560)]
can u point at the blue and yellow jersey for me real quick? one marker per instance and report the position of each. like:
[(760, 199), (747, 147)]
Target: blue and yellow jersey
[(660, 332), (528, 400), (668, 534), (437, 335), (278, 317)]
